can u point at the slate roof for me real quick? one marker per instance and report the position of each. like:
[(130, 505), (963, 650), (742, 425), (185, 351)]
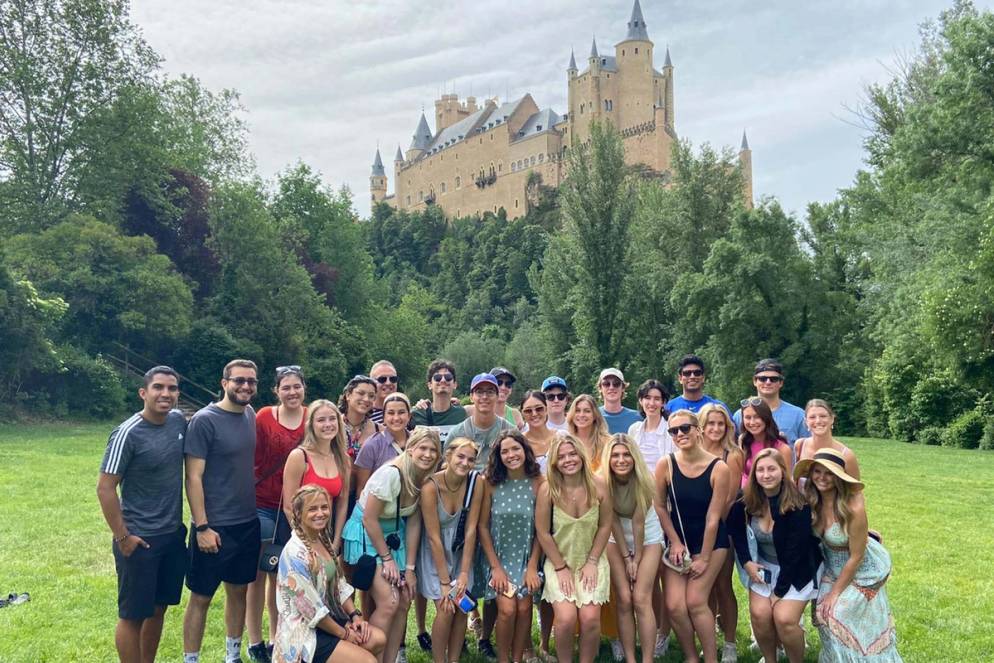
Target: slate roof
[(540, 122)]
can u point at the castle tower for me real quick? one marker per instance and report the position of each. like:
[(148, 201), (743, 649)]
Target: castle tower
[(668, 92), (745, 165), (448, 110), (378, 179), (636, 84), (421, 140), (594, 92)]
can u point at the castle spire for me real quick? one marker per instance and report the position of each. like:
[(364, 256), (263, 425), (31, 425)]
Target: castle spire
[(745, 141), (668, 62), (593, 49), (572, 61), (399, 156), (636, 25), (422, 135), (378, 165)]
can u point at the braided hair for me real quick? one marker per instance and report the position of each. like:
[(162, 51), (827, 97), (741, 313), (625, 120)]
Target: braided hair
[(300, 499)]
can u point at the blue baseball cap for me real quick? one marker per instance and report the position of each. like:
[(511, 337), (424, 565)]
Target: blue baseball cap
[(482, 378), (554, 381)]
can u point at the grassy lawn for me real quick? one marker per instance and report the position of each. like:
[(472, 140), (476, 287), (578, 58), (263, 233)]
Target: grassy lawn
[(933, 506)]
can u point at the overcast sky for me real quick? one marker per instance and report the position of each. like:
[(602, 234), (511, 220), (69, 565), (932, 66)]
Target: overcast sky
[(324, 81)]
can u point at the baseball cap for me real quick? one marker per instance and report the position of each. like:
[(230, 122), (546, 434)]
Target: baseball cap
[(611, 372), (498, 371), (482, 378), (554, 381)]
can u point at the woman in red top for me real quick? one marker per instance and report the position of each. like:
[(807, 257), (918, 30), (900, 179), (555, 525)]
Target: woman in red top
[(278, 429), (321, 459)]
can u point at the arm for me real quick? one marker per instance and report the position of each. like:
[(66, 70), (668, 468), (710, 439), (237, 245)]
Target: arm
[(371, 523), (341, 506), (719, 482), (736, 523), (788, 457), (543, 516), (852, 465), (110, 504), (472, 528), (433, 533), (413, 536), (293, 473), (677, 548), (519, 421), (735, 462), (360, 475), (605, 517), (634, 557), (208, 541)]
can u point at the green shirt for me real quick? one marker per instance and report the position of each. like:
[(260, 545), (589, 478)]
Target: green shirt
[(439, 421)]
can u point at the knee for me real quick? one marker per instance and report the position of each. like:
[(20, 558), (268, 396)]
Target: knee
[(523, 609), (505, 610), (590, 620), (565, 621), (784, 620), (377, 640), (623, 600), (642, 599)]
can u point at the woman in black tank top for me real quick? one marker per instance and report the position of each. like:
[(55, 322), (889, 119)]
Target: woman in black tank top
[(691, 486)]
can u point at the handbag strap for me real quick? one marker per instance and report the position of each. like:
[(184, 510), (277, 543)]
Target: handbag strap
[(676, 506)]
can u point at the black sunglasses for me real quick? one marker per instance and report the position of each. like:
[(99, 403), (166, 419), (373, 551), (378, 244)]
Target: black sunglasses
[(692, 373), (505, 382), (383, 379), (751, 402), (770, 378), (682, 428), (559, 396), (614, 384), (443, 377), (239, 381)]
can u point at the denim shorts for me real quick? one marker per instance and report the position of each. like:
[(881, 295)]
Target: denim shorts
[(267, 522)]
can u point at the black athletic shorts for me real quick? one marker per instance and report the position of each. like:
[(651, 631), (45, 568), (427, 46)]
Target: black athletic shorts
[(237, 560), (326, 643), (151, 576)]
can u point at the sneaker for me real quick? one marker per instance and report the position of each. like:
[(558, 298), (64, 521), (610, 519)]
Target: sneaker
[(476, 626), (402, 655), (781, 654), (662, 645), (486, 649), (617, 651), (728, 653), (259, 653), (424, 641)]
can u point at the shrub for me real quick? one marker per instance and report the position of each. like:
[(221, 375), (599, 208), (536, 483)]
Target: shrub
[(81, 386), (965, 431), (930, 435), (987, 439)]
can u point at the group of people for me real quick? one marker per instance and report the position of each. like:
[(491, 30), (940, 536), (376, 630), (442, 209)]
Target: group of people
[(627, 524)]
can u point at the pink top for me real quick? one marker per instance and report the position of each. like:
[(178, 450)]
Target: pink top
[(754, 450)]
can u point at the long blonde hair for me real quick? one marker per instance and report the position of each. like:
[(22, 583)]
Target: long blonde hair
[(411, 476), (644, 485), (555, 477), (844, 492), (300, 498), (339, 445), (728, 442), (754, 497), (599, 434)]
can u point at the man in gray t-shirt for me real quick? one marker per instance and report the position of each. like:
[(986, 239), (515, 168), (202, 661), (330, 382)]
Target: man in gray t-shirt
[(484, 426), (144, 458), (220, 487)]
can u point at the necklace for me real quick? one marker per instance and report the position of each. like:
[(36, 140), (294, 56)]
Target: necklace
[(446, 482)]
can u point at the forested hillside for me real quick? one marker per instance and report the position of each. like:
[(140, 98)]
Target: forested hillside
[(133, 217)]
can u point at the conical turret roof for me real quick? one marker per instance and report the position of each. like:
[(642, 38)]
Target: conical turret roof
[(378, 165), (593, 48), (572, 61), (668, 62), (636, 25), (399, 156), (422, 135), (745, 141)]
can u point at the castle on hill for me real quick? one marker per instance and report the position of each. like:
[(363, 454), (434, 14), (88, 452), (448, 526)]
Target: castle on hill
[(482, 156)]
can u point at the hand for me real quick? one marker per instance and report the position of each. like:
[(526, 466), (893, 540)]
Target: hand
[(461, 581), (632, 568), (677, 550), (588, 576), (448, 604), (532, 581), (208, 541), (390, 572), (499, 580), (422, 404), (698, 566), (336, 547), (754, 571), (130, 544), (410, 584), (361, 629), (827, 605), (565, 578)]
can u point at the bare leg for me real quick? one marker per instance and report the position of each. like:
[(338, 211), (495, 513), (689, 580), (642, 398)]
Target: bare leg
[(522, 628), (194, 621), (457, 635), (234, 609), (565, 627), (547, 615), (698, 591), (271, 607), (659, 603), (255, 600), (440, 631), (623, 602), (787, 616), (676, 605), (645, 578), (506, 617), (346, 652), (763, 628), (127, 638), (590, 632), (390, 615), (724, 597), (152, 633), (489, 619)]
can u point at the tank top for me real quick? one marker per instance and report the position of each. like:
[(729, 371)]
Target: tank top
[(693, 497), (332, 485)]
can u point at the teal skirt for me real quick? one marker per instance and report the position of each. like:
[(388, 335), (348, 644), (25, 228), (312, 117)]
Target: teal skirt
[(354, 538)]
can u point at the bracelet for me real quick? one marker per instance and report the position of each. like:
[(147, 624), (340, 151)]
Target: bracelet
[(591, 560), (385, 558), (354, 614), (123, 537), (409, 567), (560, 568)]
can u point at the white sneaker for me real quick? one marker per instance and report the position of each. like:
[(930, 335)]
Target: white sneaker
[(402, 655), (781, 654), (728, 653), (617, 651), (662, 645)]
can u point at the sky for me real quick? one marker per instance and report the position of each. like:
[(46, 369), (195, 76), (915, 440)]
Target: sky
[(326, 82)]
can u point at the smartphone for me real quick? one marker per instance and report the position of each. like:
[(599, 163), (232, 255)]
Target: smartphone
[(466, 603), (511, 590), (768, 576)]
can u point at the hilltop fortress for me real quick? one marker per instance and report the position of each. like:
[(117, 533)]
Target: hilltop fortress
[(482, 157)]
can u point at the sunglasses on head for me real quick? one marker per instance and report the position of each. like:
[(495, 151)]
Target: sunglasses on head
[(682, 428), (769, 378), (505, 382), (692, 373), (239, 381), (443, 377), (383, 379), (614, 384), (283, 370), (558, 396), (751, 402)]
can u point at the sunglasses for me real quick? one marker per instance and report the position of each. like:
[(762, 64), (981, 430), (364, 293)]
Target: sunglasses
[(560, 396), (529, 411), (243, 381), (614, 384), (769, 378), (443, 377), (751, 402), (283, 370), (505, 383), (383, 379), (692, 373), (682, 428)]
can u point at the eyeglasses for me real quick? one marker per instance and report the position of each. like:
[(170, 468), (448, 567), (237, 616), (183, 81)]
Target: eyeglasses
[(692, 373), (443, 377), (240, 381), (613, 384), (529, 411), (769, 378), (283, 370), (505, 383), (383, 379), (486, 393), (682, 428), (558, 396), (751, 402)]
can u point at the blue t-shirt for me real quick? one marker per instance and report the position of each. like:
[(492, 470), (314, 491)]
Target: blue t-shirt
[(789, 418), (681, 403), (620, 422)]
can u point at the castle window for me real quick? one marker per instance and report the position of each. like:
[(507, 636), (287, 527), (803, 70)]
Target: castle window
[(458, 181), (407, 201), (533, 160), (623, 52), (541, 158), (603, 61), (500, 166), (421, 196), (514, 167), (538, 127), (515, 203), (443, 187), (636, 50)]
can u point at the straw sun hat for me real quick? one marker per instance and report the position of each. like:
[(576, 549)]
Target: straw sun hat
[(832, 461)]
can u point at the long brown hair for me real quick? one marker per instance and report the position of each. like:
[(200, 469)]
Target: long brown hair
[(844, 492), (754, 497), (339, 445), (297, 503)]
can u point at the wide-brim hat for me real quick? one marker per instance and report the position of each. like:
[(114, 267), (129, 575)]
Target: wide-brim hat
[(831, 460)]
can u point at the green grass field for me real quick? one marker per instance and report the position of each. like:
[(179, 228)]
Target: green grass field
[(933, 506)]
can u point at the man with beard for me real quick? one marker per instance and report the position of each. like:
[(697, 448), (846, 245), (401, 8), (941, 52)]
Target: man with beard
[(691, 375), (220, 487)]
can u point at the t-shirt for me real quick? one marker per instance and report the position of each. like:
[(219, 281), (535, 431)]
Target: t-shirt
[(384, 484), (376, 414), (376, 451), (551, 425), (226, 442), (273, 443), (620, 422), (653, 444), (789, 418), (681, 403), (149, 459), (439, 421), (484, 437)]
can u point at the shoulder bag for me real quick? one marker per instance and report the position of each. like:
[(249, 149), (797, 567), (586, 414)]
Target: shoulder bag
[(684, 565)]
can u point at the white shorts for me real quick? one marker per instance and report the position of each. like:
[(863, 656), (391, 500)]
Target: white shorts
[(808, 593), (653, 530)]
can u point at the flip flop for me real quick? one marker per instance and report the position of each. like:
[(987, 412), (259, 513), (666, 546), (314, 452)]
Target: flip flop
[(18, 599)]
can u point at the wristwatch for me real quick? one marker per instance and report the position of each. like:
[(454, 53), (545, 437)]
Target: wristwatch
[(201, 528)]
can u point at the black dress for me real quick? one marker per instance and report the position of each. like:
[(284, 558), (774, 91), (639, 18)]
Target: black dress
[(693, 497)]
